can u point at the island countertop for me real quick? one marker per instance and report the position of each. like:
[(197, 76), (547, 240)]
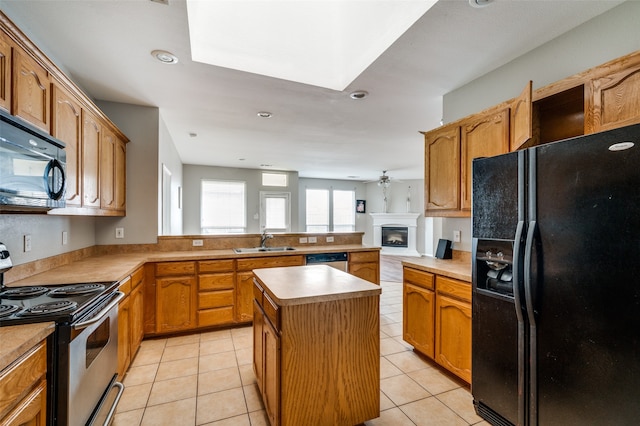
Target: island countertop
[(297, 285)]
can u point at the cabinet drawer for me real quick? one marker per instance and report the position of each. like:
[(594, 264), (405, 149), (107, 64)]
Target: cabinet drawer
[(17, 379), (364, 256), (215, 299), (271, 310), (419, 278), (215, 316), (216, 281), (454, 288), (227, 265), (175, 268), (269, 262), (137, 277)]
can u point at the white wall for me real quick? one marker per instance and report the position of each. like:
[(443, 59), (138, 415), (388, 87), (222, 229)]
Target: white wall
[(169, 157), (141, 125), (611, 35)]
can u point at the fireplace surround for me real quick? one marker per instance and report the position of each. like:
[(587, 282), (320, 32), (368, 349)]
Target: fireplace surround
[(400, 233)]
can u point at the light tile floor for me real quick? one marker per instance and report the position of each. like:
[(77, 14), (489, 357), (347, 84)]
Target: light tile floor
[(207, 379)]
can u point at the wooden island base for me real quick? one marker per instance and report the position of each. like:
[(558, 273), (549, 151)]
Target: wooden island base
[(317, 346)]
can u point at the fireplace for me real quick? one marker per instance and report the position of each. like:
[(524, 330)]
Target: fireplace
[(395, 236), (396, 233)]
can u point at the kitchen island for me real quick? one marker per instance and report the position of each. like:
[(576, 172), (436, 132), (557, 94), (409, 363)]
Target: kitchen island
[(316, 345)]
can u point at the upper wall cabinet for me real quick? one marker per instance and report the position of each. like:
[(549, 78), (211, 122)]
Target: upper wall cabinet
[(33, 88), (31, 93), (5, 72), (614, 99), (601, 98)]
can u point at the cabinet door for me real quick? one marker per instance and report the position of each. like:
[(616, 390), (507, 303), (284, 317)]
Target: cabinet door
[(91, 135), (107, 170), (271, 373), (258, 352), (614, 100), (66, 119), (5, 72), (136, 319), (522, 118), (31, 411), (485, 136), (453, 336), (418, 319), (367, 271), (442, 171), (176, 303), (120, 176), (124, 336), (244, 297), (30, 92)]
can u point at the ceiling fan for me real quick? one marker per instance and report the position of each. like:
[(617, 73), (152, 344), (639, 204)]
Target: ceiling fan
[(383, 181)]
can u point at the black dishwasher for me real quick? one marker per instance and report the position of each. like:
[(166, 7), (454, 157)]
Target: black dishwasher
[(335, 260)]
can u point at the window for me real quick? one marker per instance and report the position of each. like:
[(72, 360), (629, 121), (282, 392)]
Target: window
[(344, 207), (274, 179), (275, 211), (330, 210), (317, 210), (223, 207)]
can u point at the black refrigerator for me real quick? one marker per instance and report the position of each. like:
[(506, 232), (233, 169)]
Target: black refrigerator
[(556, 283)]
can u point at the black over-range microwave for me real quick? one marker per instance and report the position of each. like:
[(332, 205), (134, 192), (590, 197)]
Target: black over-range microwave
[(32, 167)]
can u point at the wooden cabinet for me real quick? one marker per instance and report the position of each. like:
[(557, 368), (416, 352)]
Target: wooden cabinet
[(613, 100), (442, 169), (124, 329), (244, 280), (453, 326), (112, 172), (315, 355), (5, 72), (437, 319), (365, 265), (418, 298), (23, 389), (66, 125), (31, 92), (216, 292), (521, 119), (484, 136), (136, 318), (91, 135), (176, 296)]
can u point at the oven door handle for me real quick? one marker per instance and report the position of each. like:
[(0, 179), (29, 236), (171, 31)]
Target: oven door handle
[(103, 313)]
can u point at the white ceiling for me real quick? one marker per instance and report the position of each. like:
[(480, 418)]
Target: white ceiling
[(105, 47)]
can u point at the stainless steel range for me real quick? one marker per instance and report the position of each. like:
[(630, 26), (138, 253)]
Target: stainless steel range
[(83, 350)]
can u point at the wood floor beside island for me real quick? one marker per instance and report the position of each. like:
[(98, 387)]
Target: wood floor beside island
[(316, 345)]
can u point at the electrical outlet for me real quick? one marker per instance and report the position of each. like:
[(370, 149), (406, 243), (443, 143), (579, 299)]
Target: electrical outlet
[(119, 232), (197, 243), (456, 236), (313, 239), (329, 239), (303, 240), (27, 243), (65, 238)]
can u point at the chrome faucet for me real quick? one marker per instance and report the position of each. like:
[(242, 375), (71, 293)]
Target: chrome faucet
[(264, 238)]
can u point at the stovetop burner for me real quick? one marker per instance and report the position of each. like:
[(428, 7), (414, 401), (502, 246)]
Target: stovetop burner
[(76, 289), (6, 310), (23, 292), (49, 308)]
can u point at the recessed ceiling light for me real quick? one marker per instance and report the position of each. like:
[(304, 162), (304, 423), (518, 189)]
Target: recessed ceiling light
[(353, 177), (358, 94), (193, 134), (165, 57), (479, 3), (265, 114), (266, 165)]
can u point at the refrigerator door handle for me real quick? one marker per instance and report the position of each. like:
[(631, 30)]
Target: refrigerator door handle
[(522, 345), (528, 295)]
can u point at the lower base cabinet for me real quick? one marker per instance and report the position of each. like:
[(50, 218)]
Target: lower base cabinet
[(437, 319), (23, 389)]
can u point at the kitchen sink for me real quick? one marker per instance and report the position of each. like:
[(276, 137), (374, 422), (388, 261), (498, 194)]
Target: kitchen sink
[(262, 249)]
